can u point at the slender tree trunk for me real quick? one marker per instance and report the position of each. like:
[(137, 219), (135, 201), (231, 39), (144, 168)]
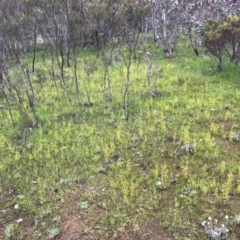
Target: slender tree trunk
[(1, 75), (76, 78), (34, 47), (219, 64)]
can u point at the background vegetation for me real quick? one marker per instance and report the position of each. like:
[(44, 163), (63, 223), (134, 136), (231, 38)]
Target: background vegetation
[(116, 122)]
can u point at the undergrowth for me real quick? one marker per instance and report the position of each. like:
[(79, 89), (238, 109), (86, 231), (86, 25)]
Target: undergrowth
[(121, 169)]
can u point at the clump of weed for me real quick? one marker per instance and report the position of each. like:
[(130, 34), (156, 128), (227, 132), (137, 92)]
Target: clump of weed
[(214, 230), (12, 231)]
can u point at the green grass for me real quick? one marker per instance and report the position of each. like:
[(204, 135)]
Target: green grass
[(51, 170)]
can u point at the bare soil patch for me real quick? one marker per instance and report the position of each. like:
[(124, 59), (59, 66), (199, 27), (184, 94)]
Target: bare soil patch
[(152, 231), (71, 228)]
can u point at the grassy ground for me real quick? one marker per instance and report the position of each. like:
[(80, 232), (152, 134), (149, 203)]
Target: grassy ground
[(88, 173)]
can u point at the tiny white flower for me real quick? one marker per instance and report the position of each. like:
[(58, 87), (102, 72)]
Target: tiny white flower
[(19, 220), (223, 225), (216, 220), (203, 223), (158, 184), (16, 206), (226, 217), (209, 218)]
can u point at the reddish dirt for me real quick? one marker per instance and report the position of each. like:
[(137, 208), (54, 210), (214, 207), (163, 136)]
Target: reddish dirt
[(235, 204), (151, 231), (26, 224), (71, 228), (158, 234), (86, 227)]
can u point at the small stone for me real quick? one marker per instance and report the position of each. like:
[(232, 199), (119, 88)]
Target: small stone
[(155, 94), (235, 137), (11, 191), (97, 151), (191, 193), (56, 219), (55, 190), (188, 148), (102, 170), (173, 180), (115, 157), (63, 181), (75, 180), (188, 192)]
